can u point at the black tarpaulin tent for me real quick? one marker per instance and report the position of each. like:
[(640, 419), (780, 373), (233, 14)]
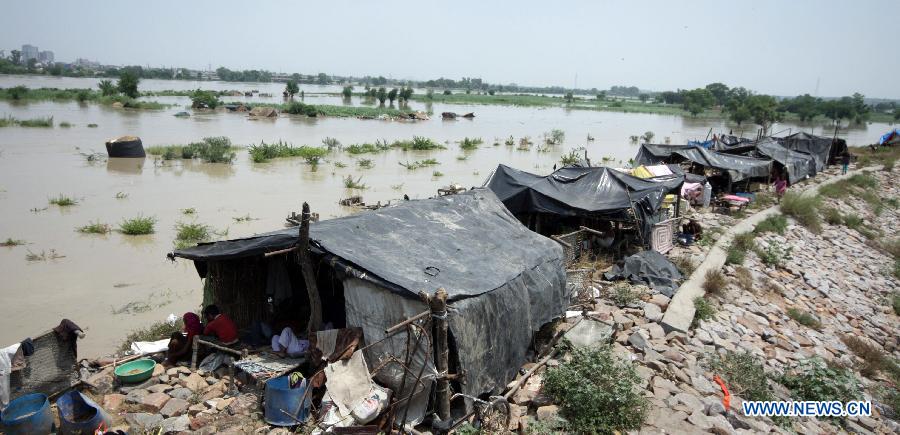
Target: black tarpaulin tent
[(817, 146), (737, 167), (504, 282), (798, 165), (576, 191)]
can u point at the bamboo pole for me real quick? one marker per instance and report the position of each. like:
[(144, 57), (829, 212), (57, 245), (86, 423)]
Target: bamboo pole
[(309, 277), (438, 305)]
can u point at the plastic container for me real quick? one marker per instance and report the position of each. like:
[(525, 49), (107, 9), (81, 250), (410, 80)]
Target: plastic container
[(78, 414), (282, 403), (29, 414), (135, 371)]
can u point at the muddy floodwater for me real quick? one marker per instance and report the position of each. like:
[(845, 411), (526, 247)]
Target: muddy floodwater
[(111, 284)]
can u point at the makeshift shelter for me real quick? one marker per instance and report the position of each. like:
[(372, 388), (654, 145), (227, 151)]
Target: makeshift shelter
[(819, 147), (598, 193), (503, 282), (263, 112), (734, 168), (798, 165)]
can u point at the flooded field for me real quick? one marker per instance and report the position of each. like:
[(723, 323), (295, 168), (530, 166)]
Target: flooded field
[(110, 284)]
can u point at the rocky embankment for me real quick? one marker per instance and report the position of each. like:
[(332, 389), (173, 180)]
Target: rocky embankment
[(798, 296)]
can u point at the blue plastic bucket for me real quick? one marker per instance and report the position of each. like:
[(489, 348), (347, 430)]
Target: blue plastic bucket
[(283, 402), (29, 414), (79, 414)]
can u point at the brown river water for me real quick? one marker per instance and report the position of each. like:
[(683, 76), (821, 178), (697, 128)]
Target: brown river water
[(115, 283)]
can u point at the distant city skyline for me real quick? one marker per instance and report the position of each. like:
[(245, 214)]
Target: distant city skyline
[(825, 48)]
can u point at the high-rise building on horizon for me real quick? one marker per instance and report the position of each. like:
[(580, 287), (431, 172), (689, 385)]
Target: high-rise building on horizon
[(45, 57), (29, 52)]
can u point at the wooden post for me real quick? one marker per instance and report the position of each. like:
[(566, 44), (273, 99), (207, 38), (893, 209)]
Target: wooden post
[(438, 305), (309, 277)]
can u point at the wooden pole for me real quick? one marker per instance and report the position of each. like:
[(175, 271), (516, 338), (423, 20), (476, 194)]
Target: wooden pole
[(438, 305), (309, 277)]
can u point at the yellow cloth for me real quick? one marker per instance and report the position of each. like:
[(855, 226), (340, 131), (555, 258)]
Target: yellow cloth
[(641, 172)]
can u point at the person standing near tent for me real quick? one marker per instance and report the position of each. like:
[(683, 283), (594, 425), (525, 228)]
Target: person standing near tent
[(845, 162), (781, 185)]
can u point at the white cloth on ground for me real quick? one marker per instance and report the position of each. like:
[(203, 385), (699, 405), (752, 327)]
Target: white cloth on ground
[(287, 341), (6, 356), (145, 347)]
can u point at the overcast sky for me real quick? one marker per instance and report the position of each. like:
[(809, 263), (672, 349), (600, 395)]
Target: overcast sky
[(780, 47)]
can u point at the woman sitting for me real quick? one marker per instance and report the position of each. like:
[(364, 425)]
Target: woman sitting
[(180, 342)]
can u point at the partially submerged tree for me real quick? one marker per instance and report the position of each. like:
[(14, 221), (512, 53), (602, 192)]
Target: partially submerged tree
[(291, 88), (392, 95), (381, 95), (107, 88), (204, 99), (347, 92), (128, 84)]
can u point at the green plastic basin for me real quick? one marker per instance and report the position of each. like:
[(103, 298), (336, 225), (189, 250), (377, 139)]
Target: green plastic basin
[(135, 371)]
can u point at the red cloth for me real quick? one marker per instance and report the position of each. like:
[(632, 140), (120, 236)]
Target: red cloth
[(192, 326), (223, 328)]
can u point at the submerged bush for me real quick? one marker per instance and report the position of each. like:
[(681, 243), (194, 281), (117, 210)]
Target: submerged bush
[(804, 209), (597, 392), (139, 225), (63, 201), (418, 143), (189, 234), (95, 228), (470, 143), (265, 152)]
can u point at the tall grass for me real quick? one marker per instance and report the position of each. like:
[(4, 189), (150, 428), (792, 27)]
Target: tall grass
[(773, 224), (210, 149), (189, 234), (468, 144), (95, 228), (9, 121), (366, 148), (418, 143), (805, 209), (63, 201), (419, 164)]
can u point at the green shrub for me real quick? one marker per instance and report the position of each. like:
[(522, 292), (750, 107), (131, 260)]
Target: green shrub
[(804, 318), (624, 295), (743, 373), (774, 224), (853, 221), (703, 310), (437, 174), (735, 255), (745, 241), (139, 225), (95, 228), (773, 255), (832, 216), (205, 99), (597, 392), (298, 108), (744, 278), (365, 148), (350, 183), (715, 282), (37, 122), (418, 143), (189, 234), (554, 137), (812, 379), (265, 152), (214, 150), (837, 190), (804, 209), (864, 180)]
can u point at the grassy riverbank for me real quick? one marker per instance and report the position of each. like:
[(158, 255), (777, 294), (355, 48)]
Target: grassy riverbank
[(21, 93)]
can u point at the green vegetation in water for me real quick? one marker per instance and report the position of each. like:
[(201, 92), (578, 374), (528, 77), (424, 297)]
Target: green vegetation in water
[(703, 310), (190, 234), (804, 209), (350, 183), (65, 124), (437, 174), (418, 143), (340, 165), (63, 201), (462, 158), (554, 137), (773, 224), (10, 242), (331, 143), (137, 226), (265, 152), (419, 164), (82, 95), (367, 148), (95, 228), (244, 218), (572, 158), (189, 211), (468, 144), (312, 111), (211, 150), (804, 318), (43, 255), (121, 195), (365, 163), (9, 121), (92, 125), (597, 392)]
